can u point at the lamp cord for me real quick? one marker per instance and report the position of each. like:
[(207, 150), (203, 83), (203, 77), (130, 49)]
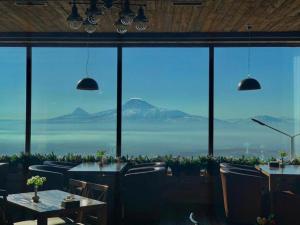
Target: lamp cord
[(249, 50), (88, 57)]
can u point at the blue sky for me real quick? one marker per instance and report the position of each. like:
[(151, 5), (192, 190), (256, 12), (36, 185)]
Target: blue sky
[(175, 78)]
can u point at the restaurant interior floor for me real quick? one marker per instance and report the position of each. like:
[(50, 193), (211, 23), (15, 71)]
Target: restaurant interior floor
[(178, 214)]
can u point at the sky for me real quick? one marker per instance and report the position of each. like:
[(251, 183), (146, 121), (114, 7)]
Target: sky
[(175, 78)]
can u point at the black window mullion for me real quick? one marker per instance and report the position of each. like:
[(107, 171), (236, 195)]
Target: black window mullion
[(28, 99)]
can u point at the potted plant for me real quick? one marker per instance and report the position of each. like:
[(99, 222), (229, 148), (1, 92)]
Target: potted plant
[(36, 181), (282, 155), (101, 157)]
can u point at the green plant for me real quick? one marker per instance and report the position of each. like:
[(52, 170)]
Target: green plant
[(36, 181), (100, 154), (283, 154)]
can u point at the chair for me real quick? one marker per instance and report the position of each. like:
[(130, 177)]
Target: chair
[(3, 174), (222, 165), (98, 192), (142, 194), (140, 169), (286, 206), (55, 176), (152, 164), (66, 165), (78, 187), (243, 196)]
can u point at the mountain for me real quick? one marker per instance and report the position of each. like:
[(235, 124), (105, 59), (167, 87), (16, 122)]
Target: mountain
[(138, 111), (133, 110), (76, 115)]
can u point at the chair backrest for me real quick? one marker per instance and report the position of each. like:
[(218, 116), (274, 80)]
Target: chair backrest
[(140, 169), (78, 187), (242, 194), (142, 194), (55, 176), (66, 165), (3, 208), (151, 164), (97, 191), (3, 174)]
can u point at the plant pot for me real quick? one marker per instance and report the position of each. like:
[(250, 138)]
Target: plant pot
[(35, 198)]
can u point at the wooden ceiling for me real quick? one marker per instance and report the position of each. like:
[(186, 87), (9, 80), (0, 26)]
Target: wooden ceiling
[(211, 16)]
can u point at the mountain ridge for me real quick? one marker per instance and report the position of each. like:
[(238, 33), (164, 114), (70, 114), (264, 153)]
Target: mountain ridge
[(139, 110)]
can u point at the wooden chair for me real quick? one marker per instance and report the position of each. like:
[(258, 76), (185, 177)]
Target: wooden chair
[(98, 192), (78, 187)]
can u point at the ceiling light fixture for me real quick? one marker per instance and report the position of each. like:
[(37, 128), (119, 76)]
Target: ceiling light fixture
[(127, 15), (141, 21), (74, 19), (249, 83), (87, 83), (95, 11), (89, 27), (120, 27)]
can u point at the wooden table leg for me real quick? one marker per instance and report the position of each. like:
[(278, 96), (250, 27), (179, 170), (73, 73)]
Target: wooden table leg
[(41, 220)]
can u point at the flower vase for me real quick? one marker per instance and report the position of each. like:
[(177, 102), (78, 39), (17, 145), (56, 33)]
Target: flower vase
[(282, 163), (35, 198)]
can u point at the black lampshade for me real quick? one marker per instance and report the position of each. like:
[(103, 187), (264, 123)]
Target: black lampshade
[(249, 84), (88, 84)]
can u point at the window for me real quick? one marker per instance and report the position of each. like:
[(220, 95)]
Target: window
[(67, 120), (276, 104), (13, 100), (165, 101)]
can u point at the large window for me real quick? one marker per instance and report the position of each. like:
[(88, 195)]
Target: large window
[(12, 99), (276, 104), (165, 101), (65, 119)]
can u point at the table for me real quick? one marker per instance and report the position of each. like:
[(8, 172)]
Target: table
[(280, 179), (112, 168), (50, 205), (108, 174)]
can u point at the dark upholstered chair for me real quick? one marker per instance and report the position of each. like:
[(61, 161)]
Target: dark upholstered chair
[(226, 165), (241, 168), (55, 176), (142, 194), (152, 164), (66, 165), (243, 196), (287, 205), (3, 175)]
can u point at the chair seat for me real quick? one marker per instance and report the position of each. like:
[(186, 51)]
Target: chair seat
[(51, 221)]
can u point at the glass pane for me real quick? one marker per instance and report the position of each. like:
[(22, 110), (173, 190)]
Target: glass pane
[(165, 101), (13, 100), (67, 120), (276, 104)]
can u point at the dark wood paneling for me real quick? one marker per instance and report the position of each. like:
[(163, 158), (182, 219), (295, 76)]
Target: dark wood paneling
[(212, 16)]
